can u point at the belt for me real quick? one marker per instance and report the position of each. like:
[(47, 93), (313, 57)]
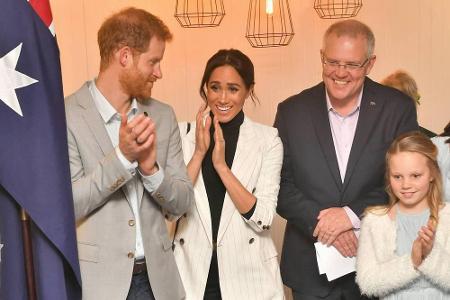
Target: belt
[(139, 266)]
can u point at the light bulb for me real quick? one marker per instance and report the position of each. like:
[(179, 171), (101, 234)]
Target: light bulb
[(269, 7)]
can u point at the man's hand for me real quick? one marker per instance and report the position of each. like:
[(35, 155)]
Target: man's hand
[(332, 222), (137, 142), (346, 243)]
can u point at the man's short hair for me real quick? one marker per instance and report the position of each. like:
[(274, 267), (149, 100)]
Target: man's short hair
[(130, 27), (352, 28)]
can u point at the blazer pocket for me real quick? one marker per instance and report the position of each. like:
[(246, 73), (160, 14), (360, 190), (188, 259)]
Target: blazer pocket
[(166, 243), (269, 251), (88, 252)]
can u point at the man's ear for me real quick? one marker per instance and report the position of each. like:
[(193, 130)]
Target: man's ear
[(124, 56), (370, 64)]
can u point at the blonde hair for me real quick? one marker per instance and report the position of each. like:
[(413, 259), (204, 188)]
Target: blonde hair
[(418, 143), (403, 82)]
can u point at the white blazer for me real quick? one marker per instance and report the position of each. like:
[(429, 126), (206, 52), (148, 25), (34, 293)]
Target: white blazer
[(247, 258)]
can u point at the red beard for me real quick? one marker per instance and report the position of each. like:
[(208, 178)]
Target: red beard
[(135, 84)]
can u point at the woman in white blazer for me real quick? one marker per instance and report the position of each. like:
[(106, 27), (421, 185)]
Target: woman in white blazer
[(222, 245)]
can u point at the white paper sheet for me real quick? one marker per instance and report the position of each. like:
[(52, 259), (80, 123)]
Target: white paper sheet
[(332, 263)]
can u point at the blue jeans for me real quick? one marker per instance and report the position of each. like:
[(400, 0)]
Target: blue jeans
[(140, 288)]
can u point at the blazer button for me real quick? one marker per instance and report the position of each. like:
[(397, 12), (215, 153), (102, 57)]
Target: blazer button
[(268, 227), (130, 255), (250, 241), (131, 223), (264, 227), (181, 242), (259, 222)]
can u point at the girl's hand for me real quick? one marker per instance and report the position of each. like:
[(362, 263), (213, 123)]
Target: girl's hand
[(416, 252), (426, 235), (202, 137), (218, 154)]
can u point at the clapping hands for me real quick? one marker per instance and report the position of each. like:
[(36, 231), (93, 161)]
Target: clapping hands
[(137, 142), (202, 137), (423, 244)]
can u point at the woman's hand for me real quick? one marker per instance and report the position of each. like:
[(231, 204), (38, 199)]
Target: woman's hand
[(218, 154), (202, 141), (202, 137)]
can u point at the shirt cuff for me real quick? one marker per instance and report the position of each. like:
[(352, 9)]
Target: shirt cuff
[(249, 214), (130, 166), (356, 222), (152, 182)]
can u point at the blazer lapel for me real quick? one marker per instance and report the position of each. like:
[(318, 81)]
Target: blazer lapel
[(94, 120), (370, 110), (244, 162), (96, 124), (319, 116), (201, 197)]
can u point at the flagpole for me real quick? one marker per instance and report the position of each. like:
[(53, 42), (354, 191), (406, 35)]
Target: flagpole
[(28, 251)]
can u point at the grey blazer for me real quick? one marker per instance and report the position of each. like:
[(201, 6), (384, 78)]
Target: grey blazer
[(106, 230)]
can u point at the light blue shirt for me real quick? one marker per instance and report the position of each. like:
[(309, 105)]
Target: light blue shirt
[(112, 120), (444, 163)]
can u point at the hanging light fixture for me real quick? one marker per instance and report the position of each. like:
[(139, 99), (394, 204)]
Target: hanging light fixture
[(337, 9), (199, 13), (269, 23)]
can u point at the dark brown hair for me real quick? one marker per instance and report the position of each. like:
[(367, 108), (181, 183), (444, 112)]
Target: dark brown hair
[(236, 59)]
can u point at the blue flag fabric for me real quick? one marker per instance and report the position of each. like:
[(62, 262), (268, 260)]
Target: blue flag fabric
[(34, 163)]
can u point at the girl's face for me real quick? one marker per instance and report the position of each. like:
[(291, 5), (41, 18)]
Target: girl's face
[(226, 93), (410, 178)]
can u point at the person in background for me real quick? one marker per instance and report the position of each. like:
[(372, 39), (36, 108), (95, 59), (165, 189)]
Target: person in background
[(127, 166), (442, 142), (223, 245), (404, 249), (403, 82), (335, 136)]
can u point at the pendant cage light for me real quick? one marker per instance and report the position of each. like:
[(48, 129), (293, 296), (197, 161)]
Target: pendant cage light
[(269, 23), (199, 13), (337, 9)]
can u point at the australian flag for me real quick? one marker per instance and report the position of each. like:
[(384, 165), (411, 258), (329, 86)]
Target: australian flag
[(34, 164)]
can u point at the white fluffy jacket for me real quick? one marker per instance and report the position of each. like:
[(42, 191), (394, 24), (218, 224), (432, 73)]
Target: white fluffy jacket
[(379, 271)]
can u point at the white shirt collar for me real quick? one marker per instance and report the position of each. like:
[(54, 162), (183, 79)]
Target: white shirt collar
[(106, 110)]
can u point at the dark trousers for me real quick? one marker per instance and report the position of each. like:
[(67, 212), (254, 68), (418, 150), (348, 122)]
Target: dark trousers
[(140, 288), (338, 293)]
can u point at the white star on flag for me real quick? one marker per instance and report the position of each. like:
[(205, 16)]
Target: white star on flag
[(10, 79)]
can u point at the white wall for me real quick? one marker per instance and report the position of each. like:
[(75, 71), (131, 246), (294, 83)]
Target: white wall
[(411, 34)]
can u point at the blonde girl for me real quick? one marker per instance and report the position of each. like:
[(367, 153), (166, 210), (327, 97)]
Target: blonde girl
[(404, 247)]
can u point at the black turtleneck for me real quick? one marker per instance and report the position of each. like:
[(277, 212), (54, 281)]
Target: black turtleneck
[(215, 190)]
